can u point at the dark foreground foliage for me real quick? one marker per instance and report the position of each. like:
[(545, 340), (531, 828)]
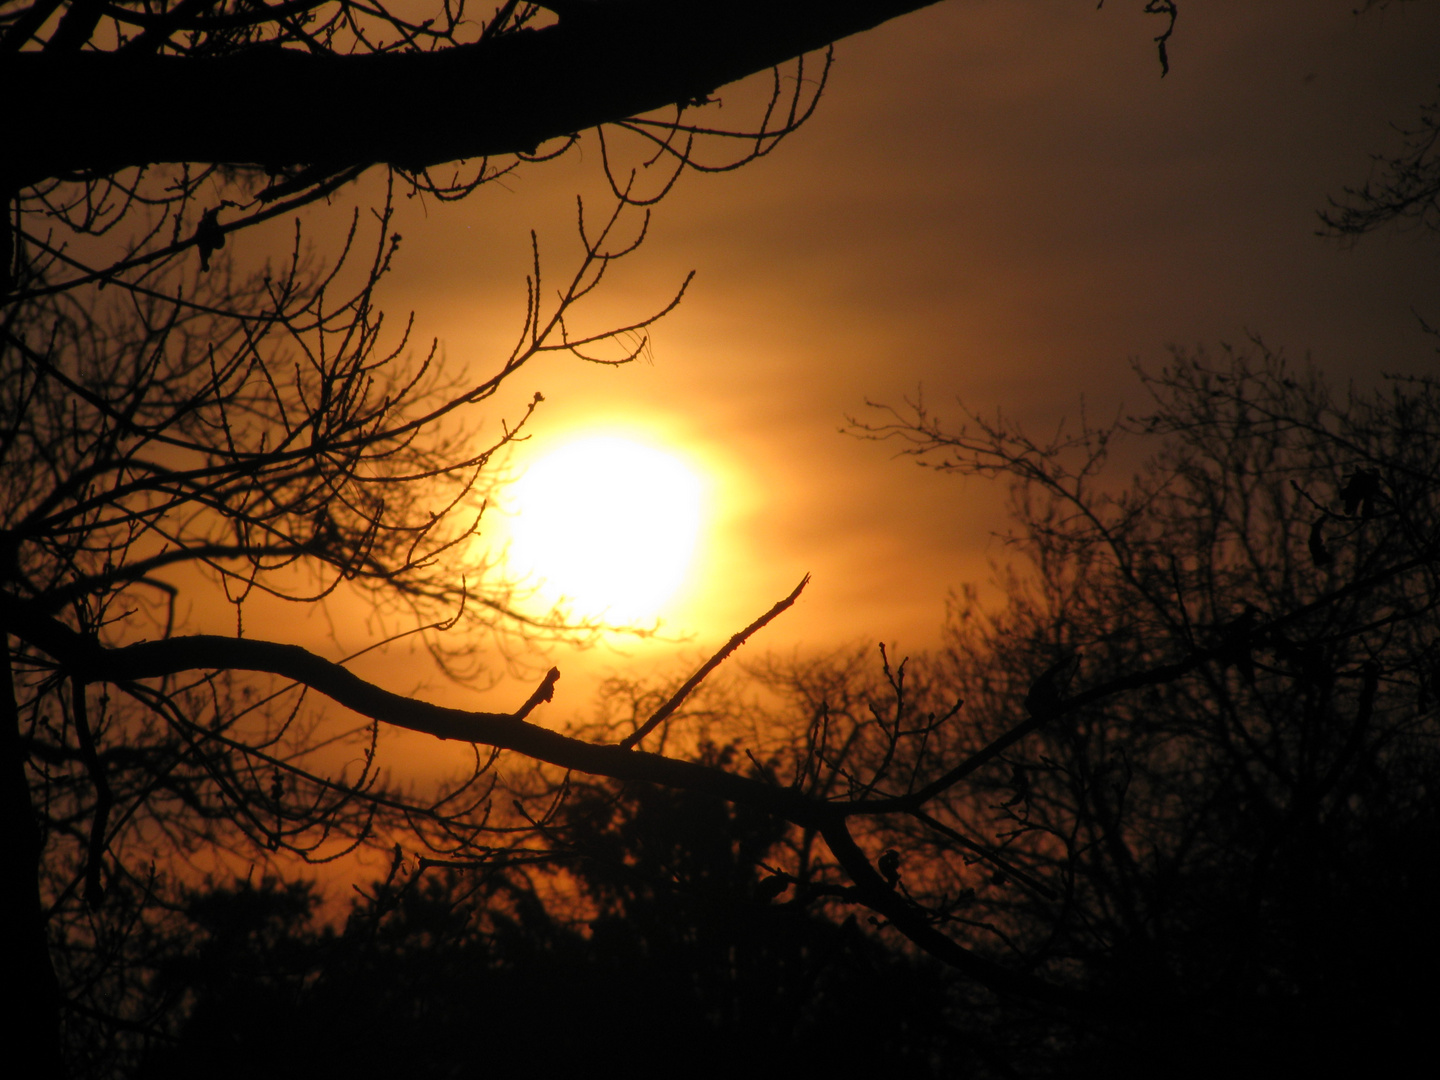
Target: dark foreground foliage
[(662, 954)]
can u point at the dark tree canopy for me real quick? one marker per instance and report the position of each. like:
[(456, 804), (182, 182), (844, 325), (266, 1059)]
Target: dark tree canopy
[(658, 947)]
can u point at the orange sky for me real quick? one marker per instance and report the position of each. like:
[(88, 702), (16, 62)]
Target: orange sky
[(1002, 201)]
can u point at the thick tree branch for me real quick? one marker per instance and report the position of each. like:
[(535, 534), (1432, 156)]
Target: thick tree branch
[(95, 112), (93, 662)]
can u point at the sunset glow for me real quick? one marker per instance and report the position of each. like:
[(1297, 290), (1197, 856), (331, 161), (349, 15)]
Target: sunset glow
[(607, 524)]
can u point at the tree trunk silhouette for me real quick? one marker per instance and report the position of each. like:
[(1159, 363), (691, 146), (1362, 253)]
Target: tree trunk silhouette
[(32, 1018)]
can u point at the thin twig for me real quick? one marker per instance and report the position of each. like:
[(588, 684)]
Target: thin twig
[(662, 713)]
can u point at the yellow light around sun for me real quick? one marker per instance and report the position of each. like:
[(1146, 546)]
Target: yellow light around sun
[(608, 524)]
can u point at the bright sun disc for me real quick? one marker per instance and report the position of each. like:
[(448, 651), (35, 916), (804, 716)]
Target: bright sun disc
[(608, 524)]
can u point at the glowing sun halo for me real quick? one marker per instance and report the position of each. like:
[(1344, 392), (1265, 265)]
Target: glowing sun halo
[(607, 523)]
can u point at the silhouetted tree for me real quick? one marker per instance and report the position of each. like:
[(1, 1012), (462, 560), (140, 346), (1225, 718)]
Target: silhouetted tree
[(272, 441), (662, 950), (1222, 823)]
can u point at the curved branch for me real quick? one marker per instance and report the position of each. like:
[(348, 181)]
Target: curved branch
[(508, 731)]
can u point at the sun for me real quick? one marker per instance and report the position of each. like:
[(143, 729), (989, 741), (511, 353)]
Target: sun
[(607, 524)]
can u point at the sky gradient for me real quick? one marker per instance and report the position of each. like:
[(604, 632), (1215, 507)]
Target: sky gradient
[(1002, 202)]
